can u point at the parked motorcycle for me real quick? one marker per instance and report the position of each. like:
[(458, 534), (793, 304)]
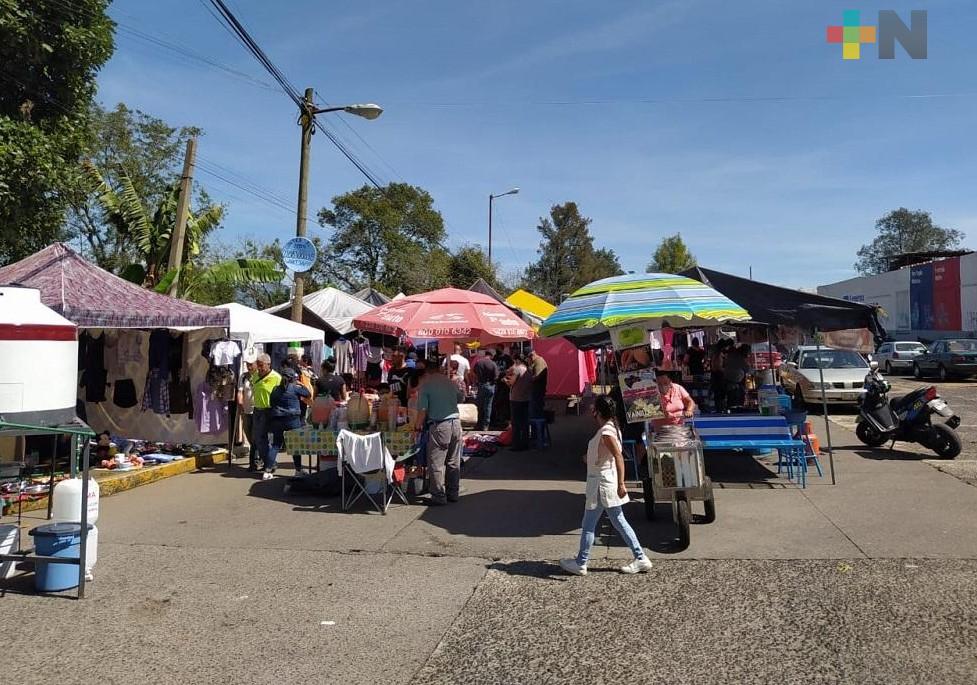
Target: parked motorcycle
[(907, 418)]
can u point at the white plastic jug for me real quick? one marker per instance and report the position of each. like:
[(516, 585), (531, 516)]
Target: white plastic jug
[(67, 501)]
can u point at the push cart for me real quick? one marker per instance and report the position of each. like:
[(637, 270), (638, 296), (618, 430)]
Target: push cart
[(676, 471)]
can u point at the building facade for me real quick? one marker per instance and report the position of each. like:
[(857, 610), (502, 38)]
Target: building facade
[(928, 301)]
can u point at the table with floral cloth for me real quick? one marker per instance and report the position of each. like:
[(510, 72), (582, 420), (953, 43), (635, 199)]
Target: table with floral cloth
[(311, 440)]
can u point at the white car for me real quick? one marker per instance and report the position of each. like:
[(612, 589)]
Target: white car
[(844, 375), (899, 355)]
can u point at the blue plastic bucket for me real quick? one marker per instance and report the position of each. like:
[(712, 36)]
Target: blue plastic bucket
[(56, 540)]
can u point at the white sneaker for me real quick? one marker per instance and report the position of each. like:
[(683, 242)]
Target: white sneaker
[(572, 567), (267, 475), (642, 565)]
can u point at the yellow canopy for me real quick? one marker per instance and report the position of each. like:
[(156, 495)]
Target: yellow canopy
[(536, 307)]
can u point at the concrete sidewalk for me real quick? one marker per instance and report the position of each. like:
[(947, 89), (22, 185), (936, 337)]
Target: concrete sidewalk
[(216, 576)]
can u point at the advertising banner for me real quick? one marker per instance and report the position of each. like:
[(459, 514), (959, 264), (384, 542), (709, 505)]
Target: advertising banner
[(946, 295), (921, 297)]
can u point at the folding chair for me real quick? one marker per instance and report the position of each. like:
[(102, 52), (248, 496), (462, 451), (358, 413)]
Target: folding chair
[(361, 460)]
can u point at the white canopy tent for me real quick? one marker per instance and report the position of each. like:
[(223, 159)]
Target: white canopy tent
[(333, 307), (254, 327)]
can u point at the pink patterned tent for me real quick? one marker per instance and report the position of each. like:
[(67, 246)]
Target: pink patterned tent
[(91, 297)]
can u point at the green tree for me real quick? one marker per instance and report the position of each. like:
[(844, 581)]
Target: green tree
[(386, 238), (901, 231), (567, 257), (50, 51), (672, 256), (468, 264), (145, 150), (151, 234)]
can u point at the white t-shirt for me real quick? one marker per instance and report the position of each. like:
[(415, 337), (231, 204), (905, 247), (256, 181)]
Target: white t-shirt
[(463, 365)]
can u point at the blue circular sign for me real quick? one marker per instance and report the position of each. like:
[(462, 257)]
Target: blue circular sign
[(299, 254)]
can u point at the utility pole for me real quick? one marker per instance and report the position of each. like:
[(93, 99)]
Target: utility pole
[(182, 210), (307, 122), (491, 197)]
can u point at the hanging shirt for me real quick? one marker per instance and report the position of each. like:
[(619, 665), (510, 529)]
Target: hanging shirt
[(361, 355), (210, 414), (224, 352), (342, 351)]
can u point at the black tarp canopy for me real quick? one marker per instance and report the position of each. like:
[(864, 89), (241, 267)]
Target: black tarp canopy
[(776, 306)]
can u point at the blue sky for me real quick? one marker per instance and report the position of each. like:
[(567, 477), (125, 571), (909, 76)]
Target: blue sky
[(733, 123)]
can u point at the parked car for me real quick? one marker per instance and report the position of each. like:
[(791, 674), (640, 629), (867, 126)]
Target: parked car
[(844, 375), (893, 356), (947, 358)]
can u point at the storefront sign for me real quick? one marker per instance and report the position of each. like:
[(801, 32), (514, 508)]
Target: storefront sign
[(299, 254)]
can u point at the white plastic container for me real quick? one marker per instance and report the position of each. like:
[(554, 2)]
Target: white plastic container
[(38, 360), (66, 508), (67, 501)]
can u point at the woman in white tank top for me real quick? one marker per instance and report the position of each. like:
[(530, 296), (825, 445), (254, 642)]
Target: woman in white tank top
[(606, 491)]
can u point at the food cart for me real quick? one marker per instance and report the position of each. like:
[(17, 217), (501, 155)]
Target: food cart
[(677, 472)]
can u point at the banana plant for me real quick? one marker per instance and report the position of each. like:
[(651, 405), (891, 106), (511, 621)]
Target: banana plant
[(151, 235)]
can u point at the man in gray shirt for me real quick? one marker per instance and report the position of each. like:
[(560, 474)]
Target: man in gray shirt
[(437, 408)]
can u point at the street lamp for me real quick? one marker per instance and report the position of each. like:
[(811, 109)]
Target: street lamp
[(514, 191), (307, 122)]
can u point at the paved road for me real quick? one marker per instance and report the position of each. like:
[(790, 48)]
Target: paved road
[(217, 577)]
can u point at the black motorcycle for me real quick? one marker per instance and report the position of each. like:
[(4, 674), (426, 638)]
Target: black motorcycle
[(907, 418)]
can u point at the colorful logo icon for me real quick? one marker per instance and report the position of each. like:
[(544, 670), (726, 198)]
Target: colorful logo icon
[(851, 34)]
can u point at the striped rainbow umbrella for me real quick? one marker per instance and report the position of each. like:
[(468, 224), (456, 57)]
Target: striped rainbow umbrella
[(640, 298)]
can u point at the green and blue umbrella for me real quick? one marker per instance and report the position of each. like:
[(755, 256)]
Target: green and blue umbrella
[(650, 299)]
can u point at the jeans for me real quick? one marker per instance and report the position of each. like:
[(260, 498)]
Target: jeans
[(444, 460), (484, 399), (520, 424), (537, 402), (260, 428), (280, 424), (590, 519)]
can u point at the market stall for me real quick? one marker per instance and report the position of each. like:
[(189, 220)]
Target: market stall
[(144, 359), (624, 309), (329, 310)]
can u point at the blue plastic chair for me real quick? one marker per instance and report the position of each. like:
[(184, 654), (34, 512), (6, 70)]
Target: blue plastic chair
[(630, 453)]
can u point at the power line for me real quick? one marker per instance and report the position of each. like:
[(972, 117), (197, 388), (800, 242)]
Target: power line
[(289, 89)]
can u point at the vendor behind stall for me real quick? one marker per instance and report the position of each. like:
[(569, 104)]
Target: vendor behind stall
[(735, 372), (676, 402)]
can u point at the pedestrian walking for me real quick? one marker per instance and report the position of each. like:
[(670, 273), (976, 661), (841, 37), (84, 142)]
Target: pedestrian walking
[(539, 372), (606, 491), (437, 410)]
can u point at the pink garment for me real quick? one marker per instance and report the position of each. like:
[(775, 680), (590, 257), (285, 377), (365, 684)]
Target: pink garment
[(668, 336)]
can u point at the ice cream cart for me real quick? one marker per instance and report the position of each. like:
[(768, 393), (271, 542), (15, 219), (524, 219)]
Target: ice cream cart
[(677, 472)]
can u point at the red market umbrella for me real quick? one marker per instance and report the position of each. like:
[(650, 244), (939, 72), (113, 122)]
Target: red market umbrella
[(446, 314)]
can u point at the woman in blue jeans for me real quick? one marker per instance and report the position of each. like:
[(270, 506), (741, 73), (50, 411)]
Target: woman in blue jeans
[(605, 492), (286, 414)]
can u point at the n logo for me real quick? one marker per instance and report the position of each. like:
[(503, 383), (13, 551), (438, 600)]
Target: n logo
[(852, 34)]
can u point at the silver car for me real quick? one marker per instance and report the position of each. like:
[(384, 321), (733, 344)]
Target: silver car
[(844, 375), (898, 355)]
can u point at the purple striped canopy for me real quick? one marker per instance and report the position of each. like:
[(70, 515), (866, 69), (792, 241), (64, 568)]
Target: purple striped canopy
[(91, 297)]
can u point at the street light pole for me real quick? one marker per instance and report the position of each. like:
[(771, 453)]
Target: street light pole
[(307, 122), (514, 191)]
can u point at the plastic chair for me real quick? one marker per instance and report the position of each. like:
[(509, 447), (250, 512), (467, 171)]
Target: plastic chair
[(539, 431), (797, 421)]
